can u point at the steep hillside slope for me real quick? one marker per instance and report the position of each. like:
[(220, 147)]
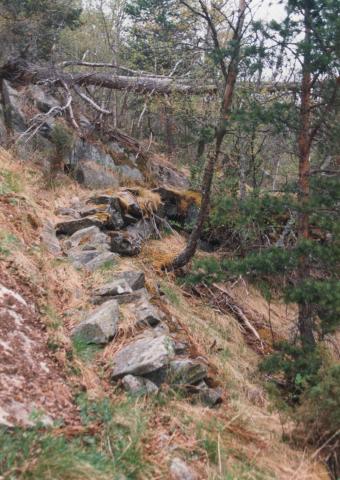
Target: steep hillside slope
[(63, 415)]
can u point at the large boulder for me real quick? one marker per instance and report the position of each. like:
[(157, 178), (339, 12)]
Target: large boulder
[(143, 356), (100, 326)]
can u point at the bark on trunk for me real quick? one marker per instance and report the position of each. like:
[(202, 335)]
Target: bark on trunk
[(305, 322), (185, 256), (22, 72)]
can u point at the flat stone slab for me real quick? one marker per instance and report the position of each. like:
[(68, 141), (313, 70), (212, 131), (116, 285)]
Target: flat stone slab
[(143, 356), (123, 298), (99, 326), (68, 227), (138, 385)]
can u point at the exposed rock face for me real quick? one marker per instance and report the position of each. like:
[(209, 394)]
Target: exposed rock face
[(138, 385), (100, 326), (179, 470), (14, 115), (143, 356)]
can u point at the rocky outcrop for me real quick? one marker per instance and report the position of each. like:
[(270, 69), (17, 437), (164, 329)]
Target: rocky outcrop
[(99, 326)]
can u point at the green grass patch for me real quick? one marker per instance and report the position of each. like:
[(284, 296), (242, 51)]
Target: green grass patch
[(9, 182), (8, 243), (115, 452)]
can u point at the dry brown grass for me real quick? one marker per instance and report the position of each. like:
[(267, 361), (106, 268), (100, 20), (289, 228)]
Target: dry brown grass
[(159, 253)]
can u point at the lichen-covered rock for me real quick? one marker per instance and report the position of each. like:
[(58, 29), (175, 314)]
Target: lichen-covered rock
[(143, 356), (100, 326), (138, 385)]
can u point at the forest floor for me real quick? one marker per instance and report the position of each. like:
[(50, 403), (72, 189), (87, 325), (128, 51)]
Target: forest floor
[(97, 430)]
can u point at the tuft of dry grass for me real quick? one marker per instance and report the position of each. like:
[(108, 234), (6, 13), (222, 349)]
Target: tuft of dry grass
[(159, 253)]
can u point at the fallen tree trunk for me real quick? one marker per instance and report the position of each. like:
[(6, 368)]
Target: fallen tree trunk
[(21, 72)]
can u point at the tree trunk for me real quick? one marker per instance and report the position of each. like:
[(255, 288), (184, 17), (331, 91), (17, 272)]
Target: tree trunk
[(22, 72), (185, 256), (305, 322)]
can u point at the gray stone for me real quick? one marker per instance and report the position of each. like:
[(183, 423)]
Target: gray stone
[(129, 173), (147, 314), (68, 227), (143, 229), (87, 239), (116, 218), (95, 176), (167, 175), (138, 385), (143, 356), (80, 258), (114, 288), (50, 240), (103, 259), (209, 396), (87, 152), (43, 100), (100, 326), (179, 470), (122, 282), (186, 372), (125, 243), (123, 298)]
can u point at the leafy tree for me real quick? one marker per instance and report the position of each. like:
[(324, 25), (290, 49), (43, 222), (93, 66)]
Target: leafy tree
[(31, 28)]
